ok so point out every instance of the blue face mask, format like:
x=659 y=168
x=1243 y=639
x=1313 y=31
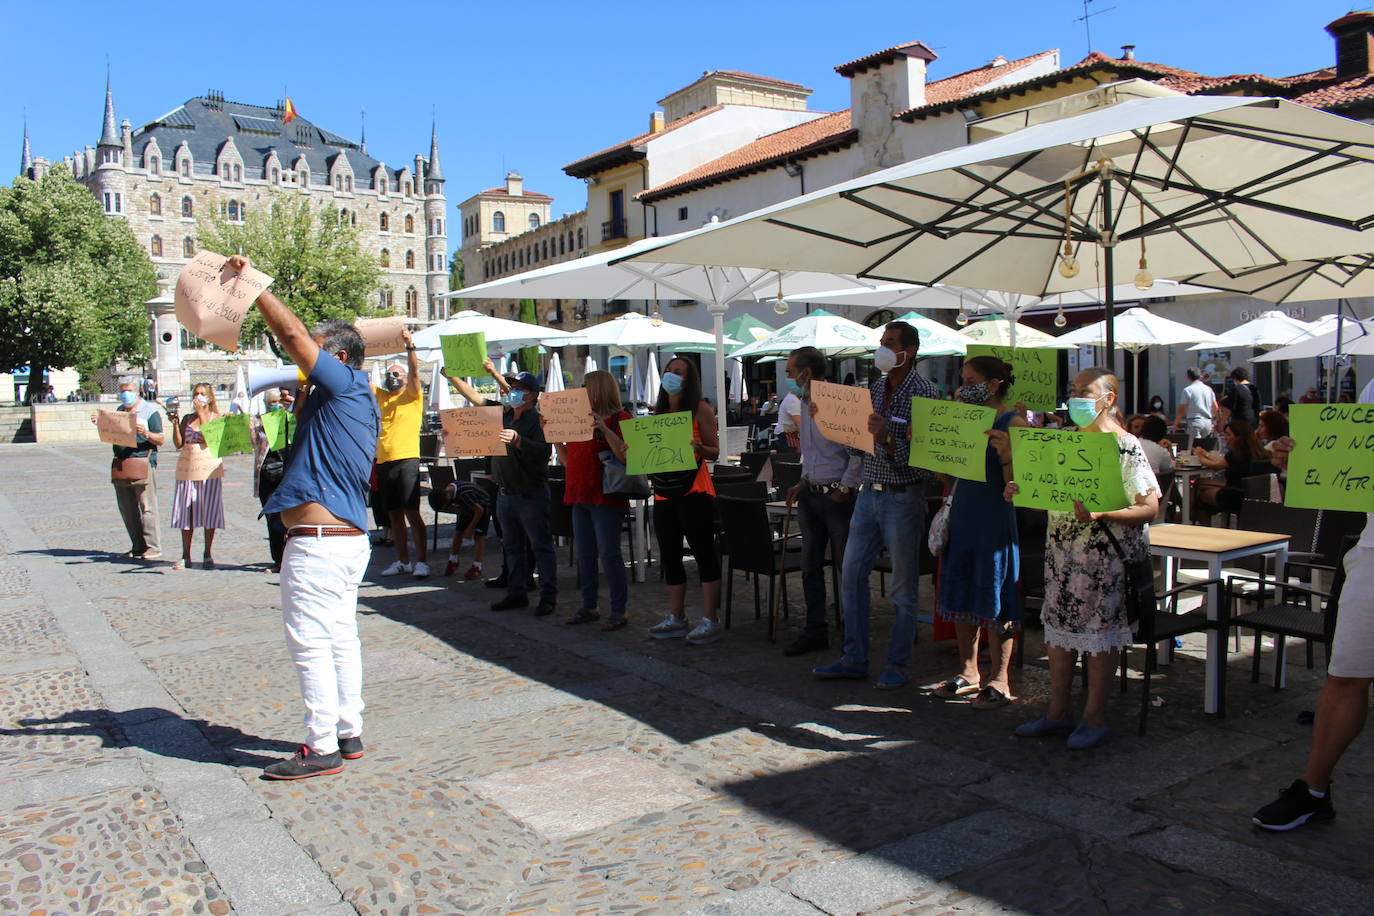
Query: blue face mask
x=513 y=398
x=671 y=382
x=128 y=398
x=274 y=406
x=795 y=388
x=1083 y=411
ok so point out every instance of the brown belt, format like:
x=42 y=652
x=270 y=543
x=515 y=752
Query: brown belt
x=323 y=531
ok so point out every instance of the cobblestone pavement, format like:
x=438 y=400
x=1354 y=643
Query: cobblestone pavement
x=518 y=765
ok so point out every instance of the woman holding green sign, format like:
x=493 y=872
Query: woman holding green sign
x=197 y=503
x=1085 y=576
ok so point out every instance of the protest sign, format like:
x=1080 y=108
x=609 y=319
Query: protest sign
x=1055 y=467
x=117 y=427
x=279 y=426
x=842 y=413
x=465 y=355
x=212 y=300
x=659 y=444
x=472 y=431
x=382 y=335
x=1035 y=371
x=197 y=463
x=950 y=437
x=227 y=435
x=1332 y=460
x=567 y=415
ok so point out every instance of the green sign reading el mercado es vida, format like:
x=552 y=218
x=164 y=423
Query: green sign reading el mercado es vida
x=1055 y=468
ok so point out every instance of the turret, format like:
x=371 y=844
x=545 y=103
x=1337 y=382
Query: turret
x=25 y=157
x=110 y=147
x=436 y=225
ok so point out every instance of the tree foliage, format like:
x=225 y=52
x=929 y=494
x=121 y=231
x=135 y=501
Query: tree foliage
x=455 y=271
x=528 y=357
x=317 y=265
x=73 y=282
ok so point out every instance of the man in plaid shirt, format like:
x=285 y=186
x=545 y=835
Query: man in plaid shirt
x=890 y=512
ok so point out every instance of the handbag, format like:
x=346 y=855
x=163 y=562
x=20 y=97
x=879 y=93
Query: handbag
x=1139 y=582
x=938 y=537
x=615 y=481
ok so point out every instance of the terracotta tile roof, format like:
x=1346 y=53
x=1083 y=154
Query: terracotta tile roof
x=625 y=151
x=961 y=84
x=502 y=192
x=824 y=134
x=886 y=56
x=740 y=74
x=1338 y=95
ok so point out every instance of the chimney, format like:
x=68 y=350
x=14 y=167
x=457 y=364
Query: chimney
x=1354 y=34
x=1128 y=52
x=515 y=185
x=655 y=122
x=894 y=79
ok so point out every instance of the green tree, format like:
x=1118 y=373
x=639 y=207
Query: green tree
x=455 y=271
x=318 y=268
x=73 y=282
x=528 y=357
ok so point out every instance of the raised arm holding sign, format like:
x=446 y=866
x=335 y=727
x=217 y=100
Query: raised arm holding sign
x=950 y=438
x=842 y=413
x=382 y=335
x=465 y=355
x=213 y=298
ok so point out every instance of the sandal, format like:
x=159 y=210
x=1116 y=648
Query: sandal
x=584 y=615
x=183 y=563
x=615 y=623
x=956 y=686
x=990 y=698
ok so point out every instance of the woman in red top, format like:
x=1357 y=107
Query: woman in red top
x=596 y=517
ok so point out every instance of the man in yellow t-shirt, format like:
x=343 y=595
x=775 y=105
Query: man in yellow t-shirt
x=398 y=461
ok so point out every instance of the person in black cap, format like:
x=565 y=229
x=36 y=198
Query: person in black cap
x=521 y=476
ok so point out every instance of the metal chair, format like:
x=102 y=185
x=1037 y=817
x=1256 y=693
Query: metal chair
x=440 y=476
x=560 y=515
x=751 y=546
x=785 y=474
x=1156 y=625
x=753 y=462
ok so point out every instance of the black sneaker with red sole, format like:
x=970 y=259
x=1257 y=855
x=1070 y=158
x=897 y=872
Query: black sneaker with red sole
x=351 y=748
x=304 y=764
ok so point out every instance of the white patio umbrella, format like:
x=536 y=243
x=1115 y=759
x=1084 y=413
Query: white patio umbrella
x=831 y=334
x=1003 y=332
x=936 y=339
x=1357 y=338
x=1347 y=276
x=737 y=386
x=553 y=375
x=440 y=398
x=589 y=365
x=1268 y=330
x=498 y=331
x=635 y=330
x=651 y=375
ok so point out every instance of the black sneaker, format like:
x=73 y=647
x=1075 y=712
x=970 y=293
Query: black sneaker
x=304 y=764
x=1294 y=807
x=351 y=748
x=496 y=581
x=807 y=642
x=545 y=607
x=510 y=603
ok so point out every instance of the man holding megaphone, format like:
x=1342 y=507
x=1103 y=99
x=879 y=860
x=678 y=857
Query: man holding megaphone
x=398 y=460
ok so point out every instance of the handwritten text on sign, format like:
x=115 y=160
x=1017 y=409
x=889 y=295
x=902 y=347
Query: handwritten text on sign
x=197 y=463
x=279 y=427
x=212 y=301
x=1332 y=460
x=950 y=438
x=567 y=415
x=465 y=355
x=1035 y=371
x=382 y=335
x=659 y=444
x=1054 y=468
x=472 y=431
x=117 y=427
x=228 y=435
x=842 y=413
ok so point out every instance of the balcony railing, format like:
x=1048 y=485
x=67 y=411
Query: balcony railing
x=614 y=229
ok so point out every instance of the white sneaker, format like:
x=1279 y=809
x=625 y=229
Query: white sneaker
x=669 y=628
x=708 y=631
x=396 y=568
x=421 y=569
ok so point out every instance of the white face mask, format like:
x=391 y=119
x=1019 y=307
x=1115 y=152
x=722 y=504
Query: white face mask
x=886 y=360
x=202 y=400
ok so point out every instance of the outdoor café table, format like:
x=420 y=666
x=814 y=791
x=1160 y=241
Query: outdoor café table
x=1184 y=475
x=1216 y=547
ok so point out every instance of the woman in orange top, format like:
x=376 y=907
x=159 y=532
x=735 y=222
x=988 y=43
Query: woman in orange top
x=684 y=507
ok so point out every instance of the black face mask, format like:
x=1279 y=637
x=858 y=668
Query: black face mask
x=393 y=383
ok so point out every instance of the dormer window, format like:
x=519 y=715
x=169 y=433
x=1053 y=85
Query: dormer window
x=155 y=166
x=186 y=168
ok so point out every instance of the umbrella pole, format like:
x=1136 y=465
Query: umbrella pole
x=717 y=310
x=1109 y=270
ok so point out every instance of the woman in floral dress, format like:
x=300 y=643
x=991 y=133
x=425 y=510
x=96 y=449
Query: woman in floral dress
x=1085 y=601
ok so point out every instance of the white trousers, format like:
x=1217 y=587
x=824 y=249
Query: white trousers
x=1352 y=648
x=319 y=603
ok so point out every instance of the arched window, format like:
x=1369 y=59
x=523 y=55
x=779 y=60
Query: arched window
x=155 y=246
x=303 y=178
x=384 y=222
x=233 y=211
x=188 y=247
x=580 y=239
x=188 y=207
x=186 y=168
x=386 y=301
x=498 y=222
x=276 y=175
x=154 y=204
x=348 y=182
x=407 y=189
x=410 y=260
x=154 y=165
x=238 y=173
x=412 y=303
x=410 y=223
x=546 y=249
x=561 y=240
x=386 y=258
x=534 y=220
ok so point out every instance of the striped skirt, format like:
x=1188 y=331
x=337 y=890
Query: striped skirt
x=198 y=504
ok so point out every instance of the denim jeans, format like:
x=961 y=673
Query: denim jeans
x=896 y=521
x=822 y=521
x=526 y=518
x=596 y=530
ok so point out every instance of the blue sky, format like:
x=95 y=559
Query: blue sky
x=535 y=85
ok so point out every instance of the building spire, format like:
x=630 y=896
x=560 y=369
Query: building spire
x=109 y=135
x=25 y=158
x=362 y=140
x=436 y=172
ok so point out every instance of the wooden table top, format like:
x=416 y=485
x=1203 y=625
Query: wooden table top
x=1202 y=537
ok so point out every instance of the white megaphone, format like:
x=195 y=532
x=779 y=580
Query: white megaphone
x=260 y=378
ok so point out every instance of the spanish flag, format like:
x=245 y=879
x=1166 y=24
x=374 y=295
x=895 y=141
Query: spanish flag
x=290 y=112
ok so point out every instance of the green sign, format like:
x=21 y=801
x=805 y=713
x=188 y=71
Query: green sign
x=950 y=437
x=279 y=426
x=1332 y=460
x=1053 y=468
x=465 y=355
x=659 y=443
x=1034 y=371
x=227 y=435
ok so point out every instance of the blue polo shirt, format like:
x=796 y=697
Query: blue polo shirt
x=336 y=440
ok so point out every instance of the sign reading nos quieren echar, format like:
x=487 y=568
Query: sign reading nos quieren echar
x=1332 y=460
x=1055 y=468
x=659 y=444
x=950 y=438
x=1034 y=370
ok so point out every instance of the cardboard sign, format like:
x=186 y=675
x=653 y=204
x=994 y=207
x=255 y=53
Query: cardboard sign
x=118 y=427
x=567 y=415
x=382 y=335
x=228 y=435
x=1035 y=371
x=472 y=431
x=196 y=463
x=465 y=355
x=659 y=444
x=842 y=413
x=1332 y=460
x=950 y=438
x=279 y=428
x=212 y=301
x=1054 y=468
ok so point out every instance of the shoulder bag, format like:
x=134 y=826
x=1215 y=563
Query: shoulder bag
x=938 y=537
x=1139 y=584
x=616 y=482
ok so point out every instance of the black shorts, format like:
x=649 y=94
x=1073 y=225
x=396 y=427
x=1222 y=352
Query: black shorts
x=399 y=483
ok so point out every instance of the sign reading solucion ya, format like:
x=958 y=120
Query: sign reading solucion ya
x=950 y=438
x=842 y=413
x=1056 y=468
x=659 y=444
x=1332 y=462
